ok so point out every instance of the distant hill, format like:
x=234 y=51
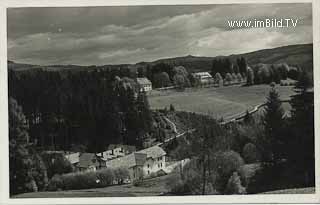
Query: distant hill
x=301 y=55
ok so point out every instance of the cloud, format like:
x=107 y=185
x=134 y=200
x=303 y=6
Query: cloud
x=133 y=34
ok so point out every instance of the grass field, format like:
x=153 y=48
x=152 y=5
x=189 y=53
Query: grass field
x=150 y=187
x=218 y=102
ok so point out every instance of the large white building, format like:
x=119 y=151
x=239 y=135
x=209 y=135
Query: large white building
x=203 y=77
x=115 y=151
x=144 y=84
x=142 y=163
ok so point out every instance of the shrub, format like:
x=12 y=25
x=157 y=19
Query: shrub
x=105 y=177
x=56 y=183
x=234 y=185
x=86 y=180
x=121 y=174
x=225 y=164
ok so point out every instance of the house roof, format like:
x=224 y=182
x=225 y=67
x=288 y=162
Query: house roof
x=153 y=152
x=136 y=158
x=143 y=81
x=126 y=147
x=86 y=159
x=203 y=74
x=73 y=157
x=131 y=160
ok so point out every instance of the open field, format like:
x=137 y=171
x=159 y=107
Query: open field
x=218 y=102
x=150 y=187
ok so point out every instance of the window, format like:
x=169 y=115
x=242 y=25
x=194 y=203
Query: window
x=148 y=166
x=161 y=164
x=148 y=172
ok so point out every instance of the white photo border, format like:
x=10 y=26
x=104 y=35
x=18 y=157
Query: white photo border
x=4 y=140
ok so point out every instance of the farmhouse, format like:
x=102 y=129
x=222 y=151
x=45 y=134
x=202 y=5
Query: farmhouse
x=116 y=150
x=142 y=163
x=73 y=158
x=203 y=77
x=144 y=84
x=89 y=162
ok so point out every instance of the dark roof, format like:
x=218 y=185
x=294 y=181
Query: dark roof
x=153 y=152
x=136 y=158
x=126 y=147
x=143 y=81
x=131 y=160
x=85 y=159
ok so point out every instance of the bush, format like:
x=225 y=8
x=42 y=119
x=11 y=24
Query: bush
x=225 y=164
x=56 y=183
x=86 y=180
x=234 y=185
x=105 y=177
x=121 y=174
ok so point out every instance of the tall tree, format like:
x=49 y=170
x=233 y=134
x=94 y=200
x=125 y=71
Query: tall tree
x=273 y=125
x=250 y=76
x=302 y=127
x=20 y=162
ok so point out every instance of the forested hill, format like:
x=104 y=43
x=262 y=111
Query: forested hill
x=301 y=55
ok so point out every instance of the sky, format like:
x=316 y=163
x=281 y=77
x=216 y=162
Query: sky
x=131 y=34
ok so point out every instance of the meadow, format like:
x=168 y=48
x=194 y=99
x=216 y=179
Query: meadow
x=149 y=187
x=224 y=102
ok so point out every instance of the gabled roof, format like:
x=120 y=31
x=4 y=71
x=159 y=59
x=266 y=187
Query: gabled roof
x=203 y=74
x=153 y=152
x=73 y=157
x=143 y=81
x=86 y=159
x=131 y=160
x=130 y=148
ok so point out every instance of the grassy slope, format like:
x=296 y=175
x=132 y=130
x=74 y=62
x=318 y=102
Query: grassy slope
x=218 y=102
x=150 y=187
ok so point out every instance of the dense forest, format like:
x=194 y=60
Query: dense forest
x=85 y=109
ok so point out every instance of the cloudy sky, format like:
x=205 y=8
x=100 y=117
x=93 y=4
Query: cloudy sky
x=113 y=35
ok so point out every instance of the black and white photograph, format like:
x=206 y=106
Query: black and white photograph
x=160 y=100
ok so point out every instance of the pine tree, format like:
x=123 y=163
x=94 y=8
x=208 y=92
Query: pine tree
x=273 y=124
x=302 y=127
x=20 y=163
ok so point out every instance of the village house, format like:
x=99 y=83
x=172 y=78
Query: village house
x=116 y=150
x=73 y=158
x=142 y=163
x=203 y=77
x=89 y=162
x=144 y=84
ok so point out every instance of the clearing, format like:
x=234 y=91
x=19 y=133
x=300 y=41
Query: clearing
x=219 y=102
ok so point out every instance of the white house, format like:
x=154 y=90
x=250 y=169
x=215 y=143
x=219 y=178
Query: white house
x=203 y=77
x=115 y=151
x=142 y=163
x=144 y=84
